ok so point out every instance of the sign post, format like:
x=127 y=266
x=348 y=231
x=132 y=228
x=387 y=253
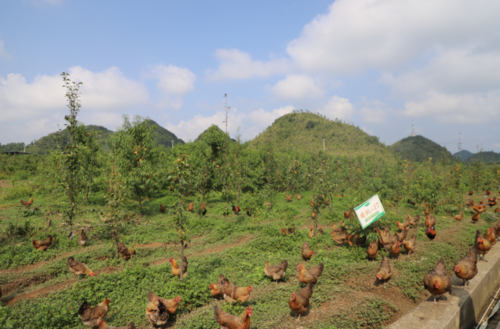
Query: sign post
x=369 y=211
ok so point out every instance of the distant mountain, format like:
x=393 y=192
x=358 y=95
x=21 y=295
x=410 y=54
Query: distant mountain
x=214 y=129
x=163 y=136
x=304 y=131
x=50 y=142
x=12 y=147
x=420 y=149
x=464 y=155
x=489 y=157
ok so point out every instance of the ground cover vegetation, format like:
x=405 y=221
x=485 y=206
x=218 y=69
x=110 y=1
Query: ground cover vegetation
x=228 y=207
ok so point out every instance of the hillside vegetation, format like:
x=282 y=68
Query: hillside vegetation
x=489 y=157
x=61 y=138
x=464 y=155
x=420 y=149
x=304 y=131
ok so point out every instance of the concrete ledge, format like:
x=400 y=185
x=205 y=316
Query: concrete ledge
x=462 y=308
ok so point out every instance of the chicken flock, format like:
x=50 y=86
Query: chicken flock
x=437 y=282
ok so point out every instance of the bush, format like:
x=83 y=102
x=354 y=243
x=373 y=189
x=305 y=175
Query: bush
x=18 y=192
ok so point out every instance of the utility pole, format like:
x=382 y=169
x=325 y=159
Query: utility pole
x=459 y=146
x=227 y=110
x=413 y=129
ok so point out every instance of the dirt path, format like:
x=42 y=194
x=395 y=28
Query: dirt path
x=107 y=270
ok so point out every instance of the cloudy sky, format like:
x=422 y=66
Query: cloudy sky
x=379 y=64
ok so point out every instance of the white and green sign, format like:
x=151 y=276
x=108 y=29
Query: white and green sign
x=369 y=211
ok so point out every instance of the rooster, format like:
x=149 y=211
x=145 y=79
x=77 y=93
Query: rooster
x=229 y=321
x=42 y=244
x=79 y=268
x=306 y=252
x=460 y=216
x=90 y=315
x=191 y=207
x=27 y=204
x=162 y=208
x=176 y=269
x=203 y=210
x=104 y=325
x=312 y=275
x=299 y=303
x=431 y=232
x=437 y=282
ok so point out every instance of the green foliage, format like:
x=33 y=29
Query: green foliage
x=420 y=149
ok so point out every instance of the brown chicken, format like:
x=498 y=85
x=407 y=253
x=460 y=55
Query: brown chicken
x=401 y=236
x=386 y=240
x=475 y=217
x=276 y=272
x=27 y=204
x=229 y=321
x=482 y=245
x=123 y=250
x=431 y=232
x=90 y=315
x=191 y=207
x=158 y=309
x=356 y=239
x=469 y=202
x=79 y=268
x=414 y=221
x=340 y=238
x=466 y=268
x=216 y=289
x=176 y=269
x=372 y=251
x=289 y=198
x=430 y=221
x=298 y=196
x=437 y=282
x=385 y=270
x=348 y=214
x=162 y=208
x=497 y=210
x=460 y=216
x=479 y=208
x=311 y=233
x=312 y=275
x=403 y=225
x=488 y=192
x=42 y=244
x=410 y=244
x=283 y=231
x=395 y=250
x=312 y=203
x=235 y=294
x=82 y=239
x=471 y=192
x=104 y=325
x=491 y=236
x=313 y=214
x=299 y=303
x=306 y=252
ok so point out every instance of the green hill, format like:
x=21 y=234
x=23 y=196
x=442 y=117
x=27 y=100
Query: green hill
x=420 y=149
x=464 y=155
x=50 y=142
x=214 y=129
x=305 y=131
x=163 y=136
x=486 y=157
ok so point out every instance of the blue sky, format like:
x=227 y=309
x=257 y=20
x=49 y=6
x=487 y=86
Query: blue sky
x=379 y=64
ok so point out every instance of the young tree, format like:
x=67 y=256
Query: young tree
x=138 y=159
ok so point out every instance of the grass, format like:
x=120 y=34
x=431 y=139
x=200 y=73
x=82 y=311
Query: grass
x=345 y=297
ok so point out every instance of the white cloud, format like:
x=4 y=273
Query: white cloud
x=237 y=65
x=250 y=124
x=3 y=52
x=373 y=111
x=297 y=86
x=174 y=82
x=337 y=108
x=358 y=34
x=456 y=108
